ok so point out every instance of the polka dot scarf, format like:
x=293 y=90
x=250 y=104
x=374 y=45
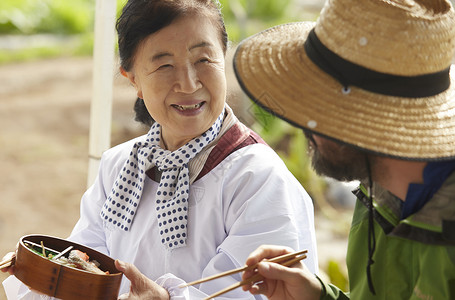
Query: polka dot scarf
x=173 y=190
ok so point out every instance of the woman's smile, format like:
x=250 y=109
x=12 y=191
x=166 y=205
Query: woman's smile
x=189 y=110
x=188 y=107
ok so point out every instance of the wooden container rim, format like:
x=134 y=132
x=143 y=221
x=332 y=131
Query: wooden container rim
x=21 y=241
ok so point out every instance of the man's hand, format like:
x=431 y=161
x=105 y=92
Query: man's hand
x=281 y=282
x=141 y=286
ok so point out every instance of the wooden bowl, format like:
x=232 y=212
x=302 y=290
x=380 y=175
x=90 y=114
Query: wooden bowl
x=56 y=280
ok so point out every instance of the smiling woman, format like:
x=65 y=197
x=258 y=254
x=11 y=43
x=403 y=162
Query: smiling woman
x=200 y=191
x=179 y=74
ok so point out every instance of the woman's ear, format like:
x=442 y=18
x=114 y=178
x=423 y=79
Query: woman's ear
x=132 y=78
x=123 y=72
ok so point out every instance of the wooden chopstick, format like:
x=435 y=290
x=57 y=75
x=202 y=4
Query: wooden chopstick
x=277 y=259
x=43 y=250
x=39 y=246
x=254 y=278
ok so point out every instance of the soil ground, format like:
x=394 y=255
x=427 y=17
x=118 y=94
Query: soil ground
x=44 y=121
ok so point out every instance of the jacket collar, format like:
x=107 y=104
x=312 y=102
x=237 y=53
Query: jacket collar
x=434 y=223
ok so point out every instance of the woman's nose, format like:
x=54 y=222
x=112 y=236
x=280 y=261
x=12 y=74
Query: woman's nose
x=187 y=80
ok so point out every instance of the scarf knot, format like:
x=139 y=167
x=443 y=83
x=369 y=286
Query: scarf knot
x=173 y=190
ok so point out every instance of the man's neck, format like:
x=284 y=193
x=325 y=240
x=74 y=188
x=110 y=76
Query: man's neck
x=395 y=175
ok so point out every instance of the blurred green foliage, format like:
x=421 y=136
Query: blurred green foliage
x=337 y=276
x=77 y=17
x=59 y=18
x=46 y=16
x=81 y=46
x=246 y=17
x=256 y=9
x=67 y=17
x=7 y=56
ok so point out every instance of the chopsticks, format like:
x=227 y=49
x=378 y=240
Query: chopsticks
x=8 y=262
x=39 y=246
x=62 y=253
x=285 y=260
x=43 y=248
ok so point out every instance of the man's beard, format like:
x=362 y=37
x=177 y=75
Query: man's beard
x=338 y=161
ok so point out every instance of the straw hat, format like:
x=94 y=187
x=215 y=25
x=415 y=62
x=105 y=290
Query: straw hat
x=379 y=76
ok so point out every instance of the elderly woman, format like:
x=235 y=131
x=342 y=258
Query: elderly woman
x=200 y=191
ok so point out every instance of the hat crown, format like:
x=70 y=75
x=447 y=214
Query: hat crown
x=400 y=37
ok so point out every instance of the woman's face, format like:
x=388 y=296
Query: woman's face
x=179 y=72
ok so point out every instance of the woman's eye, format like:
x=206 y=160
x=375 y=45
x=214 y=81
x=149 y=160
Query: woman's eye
x=204 y=60
x=162 y=67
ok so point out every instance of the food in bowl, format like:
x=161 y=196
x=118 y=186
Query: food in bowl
x=76 y=258
x=39 y=269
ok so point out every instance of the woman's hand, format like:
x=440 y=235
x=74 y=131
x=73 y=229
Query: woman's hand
x=281 y=282
x=141 y=286
x=9 y=269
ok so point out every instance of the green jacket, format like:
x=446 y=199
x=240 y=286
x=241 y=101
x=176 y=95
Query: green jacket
x=414 y=258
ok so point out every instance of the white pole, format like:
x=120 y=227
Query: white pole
x=103 y=78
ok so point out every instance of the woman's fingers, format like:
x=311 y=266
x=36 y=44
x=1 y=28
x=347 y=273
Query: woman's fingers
x=129 y=270
x=141 y=286
x=8 y=267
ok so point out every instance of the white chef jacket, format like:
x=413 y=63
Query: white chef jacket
x=249 y=199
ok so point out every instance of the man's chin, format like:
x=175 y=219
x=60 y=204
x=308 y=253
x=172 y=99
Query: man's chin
x=346 y=171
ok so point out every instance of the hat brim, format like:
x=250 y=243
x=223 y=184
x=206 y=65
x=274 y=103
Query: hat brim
x=275 y=72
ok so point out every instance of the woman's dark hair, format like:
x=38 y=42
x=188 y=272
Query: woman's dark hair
x=141 y=18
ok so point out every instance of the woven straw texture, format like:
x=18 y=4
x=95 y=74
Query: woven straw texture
x=274 y=70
